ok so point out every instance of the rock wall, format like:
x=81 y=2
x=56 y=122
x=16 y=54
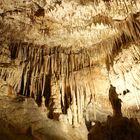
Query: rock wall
x=65 y=54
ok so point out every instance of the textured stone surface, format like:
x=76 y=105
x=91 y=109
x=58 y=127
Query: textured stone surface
x=65 y=55
x=21 y=119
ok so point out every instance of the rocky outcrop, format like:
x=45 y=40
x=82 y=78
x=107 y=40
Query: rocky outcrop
x=21 y=119
x=116 y=127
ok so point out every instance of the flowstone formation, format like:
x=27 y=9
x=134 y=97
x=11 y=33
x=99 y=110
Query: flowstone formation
x=65 y=54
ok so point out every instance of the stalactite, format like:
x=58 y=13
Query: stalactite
x=49 y=73
x=39 y=65
x=62 y=74
x=78 y=105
